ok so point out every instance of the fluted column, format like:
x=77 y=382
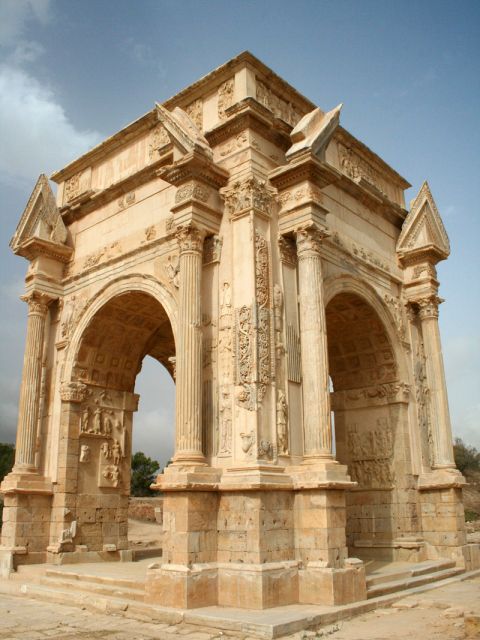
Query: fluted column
x=313 y=336
x=188 y=440
x=439 y=412
x=31 y=379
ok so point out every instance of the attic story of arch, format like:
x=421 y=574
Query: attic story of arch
x=239 y=235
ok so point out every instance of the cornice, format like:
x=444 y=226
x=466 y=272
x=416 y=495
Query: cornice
x=35 y=247
x=250 y=114
x=93 y=199
x=305 y=167
x=118 y=139
x=343 y=136
x=211 y=81
x=194 y=165
x=373 y=198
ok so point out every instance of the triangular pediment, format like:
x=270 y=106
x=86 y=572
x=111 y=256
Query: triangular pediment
x=182 y=130
x=41 y=219
x=423 y=227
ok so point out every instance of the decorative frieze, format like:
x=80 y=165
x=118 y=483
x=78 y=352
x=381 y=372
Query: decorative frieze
x=192 y=191
x=225 y=97
x=159 y=140
x=195 y=112
x=357 y=168
x=249 y=193
x=126 y=200
x=73 y=391
x=280 y=108
x=71 y=189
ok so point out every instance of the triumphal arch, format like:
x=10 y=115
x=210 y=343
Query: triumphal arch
x=243 y=238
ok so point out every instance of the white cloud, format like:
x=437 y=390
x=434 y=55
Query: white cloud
x=36 y=134
x=15 y=14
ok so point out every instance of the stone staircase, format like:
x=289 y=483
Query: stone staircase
x=389 y=580
x=113 y=587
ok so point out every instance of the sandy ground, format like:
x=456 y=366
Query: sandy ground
x=144 y=534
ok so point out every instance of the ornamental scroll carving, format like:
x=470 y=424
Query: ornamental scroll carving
x=254 y=335
x=282 y=423
x=251 y=193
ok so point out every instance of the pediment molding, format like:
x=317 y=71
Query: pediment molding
x=41 y=221
x=423 y=232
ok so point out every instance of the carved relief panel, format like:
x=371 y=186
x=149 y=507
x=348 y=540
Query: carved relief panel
x=370 y=452
x=105 y=440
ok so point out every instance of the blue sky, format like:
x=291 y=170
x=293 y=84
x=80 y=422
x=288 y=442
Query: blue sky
x=73 y=72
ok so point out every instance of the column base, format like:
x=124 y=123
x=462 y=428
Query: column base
x=182 y=587
x=26 y=482
x=319 y=584
x=179 y=477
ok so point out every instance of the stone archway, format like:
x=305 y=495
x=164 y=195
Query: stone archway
x=371 y=426
x=109 y=353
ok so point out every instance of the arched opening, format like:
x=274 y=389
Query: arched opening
x=117 y=340
x=363 y=372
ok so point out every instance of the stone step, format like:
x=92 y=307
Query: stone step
x=417 y=570
x=147 y=552
x=113 y=591
x=386 y=588
x=112 y=581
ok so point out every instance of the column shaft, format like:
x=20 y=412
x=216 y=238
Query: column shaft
x=439 y=412
x=188 y=441
x=31 y=380
x=313 y=336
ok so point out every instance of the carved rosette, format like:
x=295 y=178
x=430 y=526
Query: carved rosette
x=247 y=194
x=190 y=239
x=73 y=391
x=428 y=307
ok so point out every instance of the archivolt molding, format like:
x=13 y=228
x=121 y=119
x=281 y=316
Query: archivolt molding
x=344 y=283
x=144 y=283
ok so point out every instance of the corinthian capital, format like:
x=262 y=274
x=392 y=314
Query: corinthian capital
x=37 y=303
x=190 y=239
x=309 y=241
x=428 y=307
